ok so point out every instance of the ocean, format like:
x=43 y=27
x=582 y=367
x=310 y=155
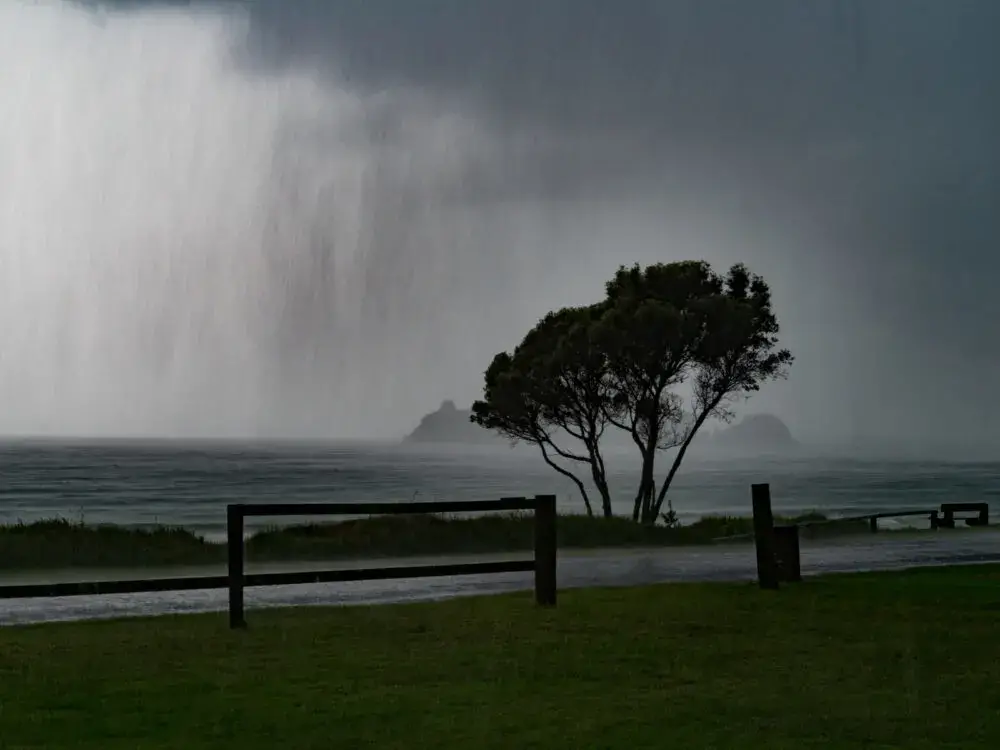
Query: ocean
x=144 y=483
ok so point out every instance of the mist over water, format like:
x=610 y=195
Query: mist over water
x=321 y=219
x=191 y=248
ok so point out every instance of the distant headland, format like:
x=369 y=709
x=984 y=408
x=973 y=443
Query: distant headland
x=755 y=433
x=449 y=424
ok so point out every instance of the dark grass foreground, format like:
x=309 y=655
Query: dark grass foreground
x=63 y=544
x=903 y=660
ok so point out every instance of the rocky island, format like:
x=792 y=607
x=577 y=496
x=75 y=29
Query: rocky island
x=449 y=424
x=756 y=433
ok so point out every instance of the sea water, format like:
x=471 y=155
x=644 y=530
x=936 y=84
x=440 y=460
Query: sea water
x=143 y=483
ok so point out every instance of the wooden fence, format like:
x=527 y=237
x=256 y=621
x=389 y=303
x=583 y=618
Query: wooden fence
x=777 y=547
x=543 y=563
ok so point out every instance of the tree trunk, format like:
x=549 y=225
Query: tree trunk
x=651 y=516
x=640 y=492
x=602 y=487
x=678 y=459
x=649 y=473
x=644 y=496
x=600 y=477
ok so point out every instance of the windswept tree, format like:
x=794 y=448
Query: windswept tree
x=735 y=355
x=553 y=392
x=651 y=330
x=626 y=362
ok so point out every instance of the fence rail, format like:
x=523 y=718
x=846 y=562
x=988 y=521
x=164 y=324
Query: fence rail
x=932 y=514
x=543 y=564
x=376 y=509
x=101 y=588
x=777 y=547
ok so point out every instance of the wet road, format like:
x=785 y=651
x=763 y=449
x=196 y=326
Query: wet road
x=576 y=569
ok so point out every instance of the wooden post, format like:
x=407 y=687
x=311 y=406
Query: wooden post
x=786 y=544
x=234 y=544
x=873 y=524
x=545 y=550
x=763 y=531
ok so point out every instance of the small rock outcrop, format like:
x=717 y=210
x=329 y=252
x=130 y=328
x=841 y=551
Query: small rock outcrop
x=449 y=424
x=757 y=432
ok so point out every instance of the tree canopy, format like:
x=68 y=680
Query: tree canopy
x=554 y=387
x=622 y=362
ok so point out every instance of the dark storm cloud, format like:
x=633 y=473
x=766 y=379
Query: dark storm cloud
x=688 y=69
x=818 y=104
x=622 y=88
x=871 y=122
x=838 y=89
x=867 y=124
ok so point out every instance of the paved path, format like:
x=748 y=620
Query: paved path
x=597 y=568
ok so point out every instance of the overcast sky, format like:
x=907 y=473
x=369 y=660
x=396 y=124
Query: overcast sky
x=844 y=148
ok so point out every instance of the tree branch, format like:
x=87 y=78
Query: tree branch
x=547 y=440
x=570 y=475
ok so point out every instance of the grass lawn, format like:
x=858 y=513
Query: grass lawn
x=908 y=660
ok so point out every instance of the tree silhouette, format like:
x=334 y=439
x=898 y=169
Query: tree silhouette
x=620 y=363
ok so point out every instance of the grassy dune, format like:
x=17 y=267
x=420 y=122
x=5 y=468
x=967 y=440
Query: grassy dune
x=52 y=544
x=903 y=660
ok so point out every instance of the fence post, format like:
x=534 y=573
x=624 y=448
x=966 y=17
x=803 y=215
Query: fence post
x=234 y=545
x=786 y=545
x=763 y=532
x=545 y=550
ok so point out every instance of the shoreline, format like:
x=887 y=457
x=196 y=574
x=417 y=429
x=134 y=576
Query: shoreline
x=60 y=544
